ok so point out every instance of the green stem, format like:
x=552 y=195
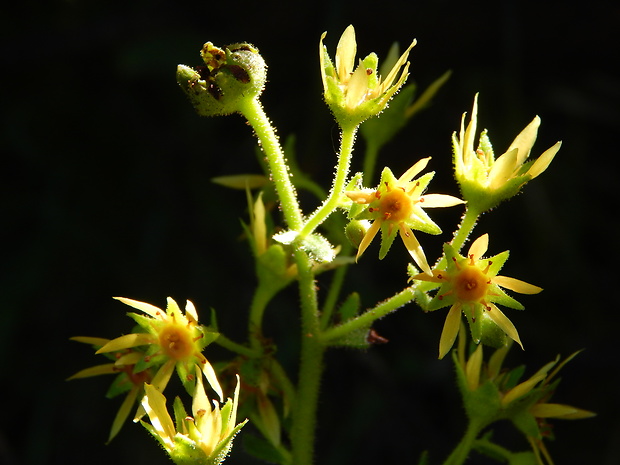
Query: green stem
x=236 y=347
x=463 y=448
x=310 y=369
x=367 y=318
x=342 y=172
x=253 y=111
x=469 y=220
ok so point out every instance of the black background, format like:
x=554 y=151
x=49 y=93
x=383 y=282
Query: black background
x=106 y=191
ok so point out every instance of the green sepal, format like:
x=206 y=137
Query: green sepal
x=491 y=334
x=388 y=234
x=180 y=414
x=187 y=376
x=120 y=385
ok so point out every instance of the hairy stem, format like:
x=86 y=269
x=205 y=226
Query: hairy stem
x=253 y=111
x=342 y=172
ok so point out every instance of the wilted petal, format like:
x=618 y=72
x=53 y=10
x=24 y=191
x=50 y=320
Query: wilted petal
x=516 y=285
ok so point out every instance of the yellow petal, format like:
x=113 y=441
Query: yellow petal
x=200 y=401
x=209 y=373
x=479 y=247
x=504 y=323
x=542 y=162
x=439 y=200
x=105 y=369
x=95 y=341
x=414 y=248
x=126 y=342
x=467 y=136
x=450 y=330
x=345 y=54
x=131 y=358
x=368 y=237
x=525 y=140
x=414 y=170
x=472 y=368
x=565 y=412
x=503 y=169
x=516 y=285
x=154 y=403
x=357 y=88
x=387 y=82
x=149 y=309
x=190 y=310
x=123 y=412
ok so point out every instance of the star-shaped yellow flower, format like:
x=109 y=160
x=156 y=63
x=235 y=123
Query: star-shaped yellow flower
x=470 y=285
x=357 y=93
x=485 y=181
x=397 y=207
x=172 y=339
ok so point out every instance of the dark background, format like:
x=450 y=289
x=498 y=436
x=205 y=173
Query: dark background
x=106 y=191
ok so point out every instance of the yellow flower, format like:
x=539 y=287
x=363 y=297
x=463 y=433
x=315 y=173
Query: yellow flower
x=357 y=93
x=204 y=438
x=173 y=339
x=486 y=181
x=397 y=206
x=126 y=381
x=470 y=285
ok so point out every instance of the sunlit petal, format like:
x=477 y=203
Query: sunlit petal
x=126 y=342
x=516 y=285
x=149 y=309
x=479 y=247
x=415 y=249
x=525 y=140
x=504 y=323
x=450 y=330
x=439 y=200
x=542 y=162
x=368 y=237
x=414 y=170
x=345 y=53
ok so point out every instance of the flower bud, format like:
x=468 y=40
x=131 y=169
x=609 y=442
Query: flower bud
x=229 y=76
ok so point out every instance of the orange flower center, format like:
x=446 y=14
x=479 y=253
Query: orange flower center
x=395 y=205
x=177 y=342
x=471 y=284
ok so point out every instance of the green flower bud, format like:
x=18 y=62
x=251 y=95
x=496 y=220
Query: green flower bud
x=229 y=76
